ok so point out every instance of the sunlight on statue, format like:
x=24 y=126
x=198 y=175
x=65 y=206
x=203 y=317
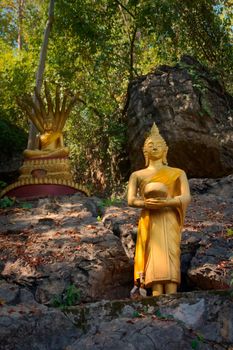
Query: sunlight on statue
x=46 y=170
x=163 y=194
x=49 y=121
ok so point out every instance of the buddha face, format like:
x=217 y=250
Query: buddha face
x=155 y=149
x=48 y=125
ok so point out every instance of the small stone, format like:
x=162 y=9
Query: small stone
x=128 y=311
x=8 y=292
x=191 y=314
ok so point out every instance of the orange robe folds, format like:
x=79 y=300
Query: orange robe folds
x=49 y=137
x=157 y=255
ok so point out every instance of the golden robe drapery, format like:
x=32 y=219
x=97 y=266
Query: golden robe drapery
x=157 y=255
x=49 y=137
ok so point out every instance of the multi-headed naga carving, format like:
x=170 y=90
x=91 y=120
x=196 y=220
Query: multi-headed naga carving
x=49 y=120
x=46 y=169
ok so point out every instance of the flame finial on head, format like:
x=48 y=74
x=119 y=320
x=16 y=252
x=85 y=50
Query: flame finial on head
x=155 y=136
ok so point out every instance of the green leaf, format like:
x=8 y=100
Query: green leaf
x=136 y=314
x=26 y=205
x=194 y=344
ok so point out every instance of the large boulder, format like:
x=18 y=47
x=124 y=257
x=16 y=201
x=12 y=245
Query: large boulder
x=193 y=113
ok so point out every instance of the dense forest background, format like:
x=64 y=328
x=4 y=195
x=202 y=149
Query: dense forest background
x=96 y=47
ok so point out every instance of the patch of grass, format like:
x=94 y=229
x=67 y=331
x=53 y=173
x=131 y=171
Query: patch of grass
x=6 y=202
x=136 y=314
x=26 y=205
x=229 y=232
x=163 y=317
x=107 y=202
x=194 y=344
x=71 y=297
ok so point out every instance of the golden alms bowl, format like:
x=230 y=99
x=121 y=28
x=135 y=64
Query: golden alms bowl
x=156 y=190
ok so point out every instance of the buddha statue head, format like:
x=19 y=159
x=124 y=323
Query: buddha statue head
x=155 y=147
x=49 y=123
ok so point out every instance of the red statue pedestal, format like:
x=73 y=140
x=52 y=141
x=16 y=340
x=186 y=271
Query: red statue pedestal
x=42 y=177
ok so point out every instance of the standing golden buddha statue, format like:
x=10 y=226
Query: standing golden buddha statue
x=163 y=196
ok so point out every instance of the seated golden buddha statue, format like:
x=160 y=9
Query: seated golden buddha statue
x=46 y=169
x=163 y=194
x=48 y=162
x=49 y=144
x=49 y=122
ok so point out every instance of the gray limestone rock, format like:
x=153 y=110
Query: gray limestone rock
x=60 y=243
x=193 y=113
x=34 y=327
x=57 y=243
x=192 y=320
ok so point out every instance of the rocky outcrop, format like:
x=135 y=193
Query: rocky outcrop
x=58 y=242
x=25 y=324
x=207 y=238
x=192 y=321
x=73 y=250
x=189 y=321
x=193 y=113
x=48 y=245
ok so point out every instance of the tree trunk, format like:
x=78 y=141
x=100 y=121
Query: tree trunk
x=20 y=6
x=39 y=76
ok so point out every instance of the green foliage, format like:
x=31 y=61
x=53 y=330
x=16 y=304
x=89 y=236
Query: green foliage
x=136 y=314
x=71 y=297
x=108 y=202
x=26 y=205
x=194 y=344
x=162 y=316
x=6 y=202
x=229 y=232
x=13 y=139
x=200 y=337
x=104 y=203
x=2 y=185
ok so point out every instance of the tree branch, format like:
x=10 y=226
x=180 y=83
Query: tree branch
x=41 y=67
x=125 y=8
x=101 y=116
x=132 y=40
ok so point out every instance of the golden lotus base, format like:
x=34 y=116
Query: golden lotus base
x=41 y=177
x=52 y=168
x=35 y=188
